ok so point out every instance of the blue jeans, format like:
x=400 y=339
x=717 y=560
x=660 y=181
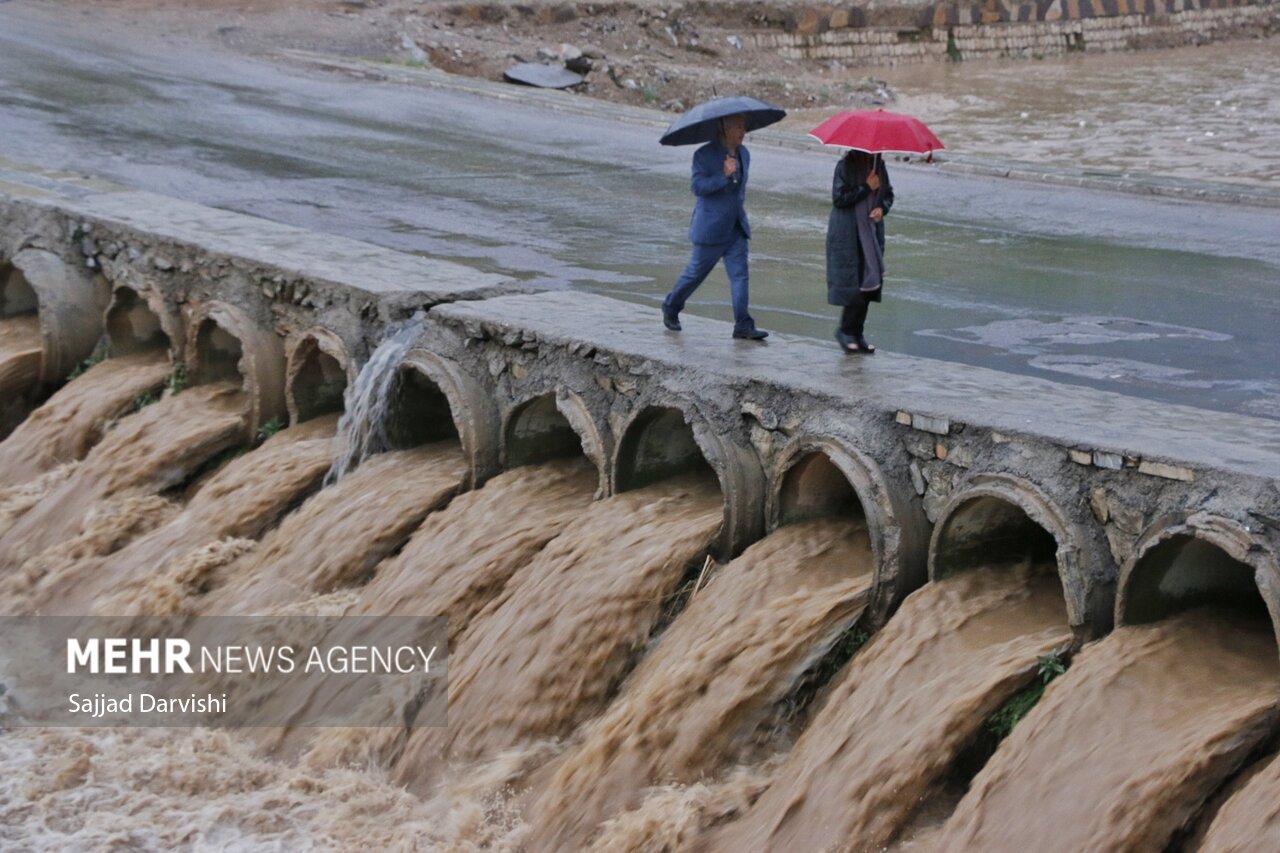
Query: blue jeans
x=704 y=258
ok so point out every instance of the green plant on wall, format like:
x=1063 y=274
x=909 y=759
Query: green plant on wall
x=89 y=362
x=269 y=429
x=1049 y=667
x=177 y=381
x=146 y=398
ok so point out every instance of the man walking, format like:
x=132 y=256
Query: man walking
x=719 y=229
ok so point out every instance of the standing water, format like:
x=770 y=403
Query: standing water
x=904 y=708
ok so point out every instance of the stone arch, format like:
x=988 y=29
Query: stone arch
x=318 y=371
x=68 y=302
x=995 y=517
x=447 y=394
x=825 y=475
x=16 y=294
x=225 y=344
x=1184 y=560
x=549 y=425
x=668 y=438
x=137 y=322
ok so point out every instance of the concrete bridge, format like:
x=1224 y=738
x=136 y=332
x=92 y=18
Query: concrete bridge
x=1145 y=507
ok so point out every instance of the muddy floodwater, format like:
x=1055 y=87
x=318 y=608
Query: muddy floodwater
x=1209 y=113
x=616 y=682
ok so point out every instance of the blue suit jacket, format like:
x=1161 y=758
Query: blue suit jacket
x=720 y=201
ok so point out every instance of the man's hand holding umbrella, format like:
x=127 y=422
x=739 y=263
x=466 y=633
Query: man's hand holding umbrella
x=719 y=229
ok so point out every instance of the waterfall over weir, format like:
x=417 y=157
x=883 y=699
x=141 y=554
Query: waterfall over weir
x=365 y=427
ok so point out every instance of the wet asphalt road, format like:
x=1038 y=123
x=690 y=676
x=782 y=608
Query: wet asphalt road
x=1168 y=300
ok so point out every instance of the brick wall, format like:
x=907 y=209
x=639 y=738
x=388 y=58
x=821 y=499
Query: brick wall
x=1002 y=28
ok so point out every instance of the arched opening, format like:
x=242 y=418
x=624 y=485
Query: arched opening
x=218 y=354
x=538 y=431
x=419 y=412
x=658 y=445
x=132 y=326
x=1011 y=559
x=16 y=294
x=223 y=343
x=986 y=530
x=22 y=356
x=317 y=383
x=1185 y=571
x=814 y=487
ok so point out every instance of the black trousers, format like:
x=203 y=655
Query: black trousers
x=854 y=316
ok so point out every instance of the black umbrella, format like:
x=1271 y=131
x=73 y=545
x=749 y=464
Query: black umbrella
x=702 y=122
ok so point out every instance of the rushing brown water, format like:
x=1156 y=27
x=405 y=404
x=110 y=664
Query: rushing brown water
x=699 y=698
x=457 y=561
x=338 y=536
x=16 y=500
x=580 y=719
x=1250 y=819
x=170 y=569
x=167 y=789
x=20 y=355
x=549 y=651
x=75 y=418
x=1145 y=725
x=146 y=453
x=903 y=708
x=461 y=557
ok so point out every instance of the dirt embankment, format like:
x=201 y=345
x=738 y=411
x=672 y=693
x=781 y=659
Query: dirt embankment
x=669 y=56
x=1199 y=111
x=666 y=55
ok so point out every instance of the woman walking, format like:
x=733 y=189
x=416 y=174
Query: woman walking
x=861 y=195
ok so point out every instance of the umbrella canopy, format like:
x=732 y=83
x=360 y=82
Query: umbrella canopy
x=877 y=132
x=702 y=122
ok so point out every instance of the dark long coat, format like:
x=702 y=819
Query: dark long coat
x=844 y=251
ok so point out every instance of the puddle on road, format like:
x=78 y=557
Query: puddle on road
x=1031 y=336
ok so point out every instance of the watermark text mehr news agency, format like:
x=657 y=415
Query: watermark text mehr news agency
x=131 y=656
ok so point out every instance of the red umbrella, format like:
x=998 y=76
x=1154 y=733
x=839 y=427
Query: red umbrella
x=876 y=132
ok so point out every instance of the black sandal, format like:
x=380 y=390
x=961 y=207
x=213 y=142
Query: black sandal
x=863 y=346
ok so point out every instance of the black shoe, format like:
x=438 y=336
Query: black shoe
x=751 y=334
x=671 y=321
